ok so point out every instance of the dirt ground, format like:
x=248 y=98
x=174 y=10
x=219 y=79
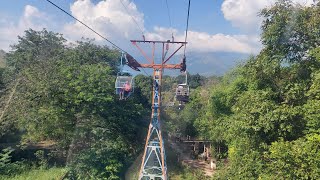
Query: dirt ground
x=185 y=158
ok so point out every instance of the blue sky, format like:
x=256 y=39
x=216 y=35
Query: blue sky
x=214 y=25
x=155 y=13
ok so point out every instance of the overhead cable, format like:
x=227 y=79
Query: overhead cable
x=169 y=17
x=185 y=40
x=86 y=26
x=145 y=72
x=125 y=7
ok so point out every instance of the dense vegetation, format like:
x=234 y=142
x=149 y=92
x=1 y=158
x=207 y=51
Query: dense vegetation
x=2 y=66
x=2 y=61
x=267 y=111
x=64 y=93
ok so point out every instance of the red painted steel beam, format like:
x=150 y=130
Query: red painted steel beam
x=173 y=54
x=159 y=66
x=172 y=42
x=143 y=53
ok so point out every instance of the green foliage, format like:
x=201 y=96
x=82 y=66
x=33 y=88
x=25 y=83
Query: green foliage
x=186 y=173
x=311 y=107
x=41 y=158
x=2 y=59
x=244 y=161
x=35 y=48
x=289 y=31
x=194 y=81
x=266 y=111
x=2 y=68
x=1 y=79
x=66 y=94
x=143 y=89
x=298 y=159
x=191 y=175
x=181 y=121
x=5 y=158
x=168 y=83
x=39 y=174
x=9 y=168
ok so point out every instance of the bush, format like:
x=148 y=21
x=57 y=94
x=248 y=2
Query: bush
x=8 y=168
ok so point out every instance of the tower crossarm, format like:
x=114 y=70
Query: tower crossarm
x=158 y=66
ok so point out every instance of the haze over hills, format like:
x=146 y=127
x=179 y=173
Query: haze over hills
x=209 y=63
x=203 y=63
x=213 y=63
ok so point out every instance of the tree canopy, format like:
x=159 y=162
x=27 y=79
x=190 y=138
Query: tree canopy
x=266 y=111
x=65 y=93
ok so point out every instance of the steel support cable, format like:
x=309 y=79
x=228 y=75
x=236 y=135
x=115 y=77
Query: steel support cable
x=169 y=17
x=125 y=7
x=145 y=72
x=87 y=26
x=91 y=29
x=185 y=40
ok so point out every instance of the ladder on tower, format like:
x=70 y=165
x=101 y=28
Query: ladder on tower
x=154 y=159
x=153 y=165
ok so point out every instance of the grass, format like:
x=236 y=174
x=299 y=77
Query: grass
x=38 y=174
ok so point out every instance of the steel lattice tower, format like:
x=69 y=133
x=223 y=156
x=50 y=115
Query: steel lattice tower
x=154 y=160
x=153 y=165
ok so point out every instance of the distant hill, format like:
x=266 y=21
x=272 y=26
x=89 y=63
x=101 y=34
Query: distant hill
x=203 y=63
x=2 y=60
x=210 y=63
x=213 y=63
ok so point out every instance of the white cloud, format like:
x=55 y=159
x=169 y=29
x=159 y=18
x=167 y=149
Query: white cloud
x=31 y=18
x=243 y=13
x=109 y=17
x=113 y=21
x=30 y=11
x=201 y=41
x=205 y=42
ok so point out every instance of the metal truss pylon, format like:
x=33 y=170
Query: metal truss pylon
x=154 y=166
